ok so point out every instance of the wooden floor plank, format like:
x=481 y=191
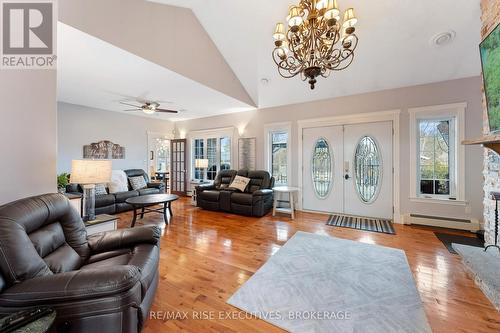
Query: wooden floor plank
x=206 y=256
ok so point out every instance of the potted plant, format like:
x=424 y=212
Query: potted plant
x=62 y=181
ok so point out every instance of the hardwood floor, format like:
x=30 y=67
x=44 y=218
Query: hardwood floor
x=206 y=256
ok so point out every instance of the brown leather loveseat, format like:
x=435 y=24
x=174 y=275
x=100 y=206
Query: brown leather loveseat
x=102 y=283
x=256 y=200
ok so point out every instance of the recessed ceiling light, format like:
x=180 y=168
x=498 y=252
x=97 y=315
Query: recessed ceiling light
x=264 y=81
x=443 y=38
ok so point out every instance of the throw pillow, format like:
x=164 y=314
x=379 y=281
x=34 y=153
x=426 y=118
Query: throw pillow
x=138 y=182
x=119 y=182
x=240 y=183
x=100 y=189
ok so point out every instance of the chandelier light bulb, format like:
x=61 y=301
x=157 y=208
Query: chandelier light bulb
x=321 y=4
x=148 y=110
x=279 y=32
x=295 y=17
x=350 y=19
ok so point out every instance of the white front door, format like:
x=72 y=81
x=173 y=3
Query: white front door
x=368 y=167
x=322 y=172
x=348 y=169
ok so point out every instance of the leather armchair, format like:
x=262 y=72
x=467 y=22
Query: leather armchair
x=139 y=172
x=102 y=283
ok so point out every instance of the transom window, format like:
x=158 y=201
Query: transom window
x=436 y=157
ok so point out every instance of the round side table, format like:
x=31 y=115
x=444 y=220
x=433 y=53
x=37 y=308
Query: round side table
x=291 y=195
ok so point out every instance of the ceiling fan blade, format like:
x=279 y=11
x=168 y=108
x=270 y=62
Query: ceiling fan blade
x=166 y=111
x=135 y=106
x=132 y=110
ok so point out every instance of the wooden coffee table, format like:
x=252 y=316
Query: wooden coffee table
x=145 y=201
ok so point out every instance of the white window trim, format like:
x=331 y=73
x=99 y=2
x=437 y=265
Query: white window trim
x=456 y=111
x=278 y=127
x=209 y=134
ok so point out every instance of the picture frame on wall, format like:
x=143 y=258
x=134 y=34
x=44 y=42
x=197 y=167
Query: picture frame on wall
x=247 y=151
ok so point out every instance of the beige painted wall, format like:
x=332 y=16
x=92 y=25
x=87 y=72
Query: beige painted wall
x=27 y=133
x=463 y=90
x=168 y=36
x=79 y=125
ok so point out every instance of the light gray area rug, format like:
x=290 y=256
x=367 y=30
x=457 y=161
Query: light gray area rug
x=485 y=267
x=334 y=285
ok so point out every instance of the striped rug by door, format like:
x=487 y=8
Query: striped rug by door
x=361 y=223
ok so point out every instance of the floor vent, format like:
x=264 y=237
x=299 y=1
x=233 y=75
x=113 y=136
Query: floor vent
x=443 y=222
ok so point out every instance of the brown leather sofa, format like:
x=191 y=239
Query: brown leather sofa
x=102 y=283
x=256 y=200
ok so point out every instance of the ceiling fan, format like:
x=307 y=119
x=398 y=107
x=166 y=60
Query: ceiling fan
x=148 y=108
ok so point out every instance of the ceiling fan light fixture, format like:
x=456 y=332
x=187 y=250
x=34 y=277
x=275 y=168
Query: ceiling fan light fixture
x=148 y=110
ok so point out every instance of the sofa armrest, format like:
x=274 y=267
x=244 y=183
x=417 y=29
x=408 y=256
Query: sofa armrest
x=73 y=188
x=158 y=185
x=263 y=192
x=206 y=187
x=123 y=238
x=71 y=286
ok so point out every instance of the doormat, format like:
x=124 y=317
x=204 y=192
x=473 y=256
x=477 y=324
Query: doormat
x=362 y=223
x=448 y=239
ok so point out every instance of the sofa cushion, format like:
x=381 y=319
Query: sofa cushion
x=224 y=178
x=104 y=200
x=122 y=196
x=241 y=198
x=259 y=180
x=119 y=182
x=146 y=191
x=240 y=183
x=100 y=189
x=137 y=182
x=211 y=195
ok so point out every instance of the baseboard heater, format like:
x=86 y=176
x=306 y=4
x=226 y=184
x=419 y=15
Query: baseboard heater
x=443 y=222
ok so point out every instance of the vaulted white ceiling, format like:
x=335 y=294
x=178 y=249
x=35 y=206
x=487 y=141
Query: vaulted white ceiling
x=395 y=48
x=110 y=56
x=97 y=74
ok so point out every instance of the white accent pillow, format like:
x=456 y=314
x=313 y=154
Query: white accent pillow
x=138 y=182
x=240 y=183
x=119 y=182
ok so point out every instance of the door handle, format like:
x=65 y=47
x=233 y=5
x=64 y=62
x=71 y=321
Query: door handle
x=347 y=177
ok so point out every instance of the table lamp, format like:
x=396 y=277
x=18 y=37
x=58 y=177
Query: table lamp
x=88 y=173
x=201 y=163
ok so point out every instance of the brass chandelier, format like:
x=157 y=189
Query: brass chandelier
x=310 y=46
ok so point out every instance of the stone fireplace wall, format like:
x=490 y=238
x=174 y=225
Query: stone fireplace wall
x=490 y=18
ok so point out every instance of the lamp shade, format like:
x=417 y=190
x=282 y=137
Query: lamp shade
x=90 y=171
x=350 y=19
x=201 y=163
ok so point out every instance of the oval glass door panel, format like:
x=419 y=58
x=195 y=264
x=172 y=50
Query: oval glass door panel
x=321 y=168
x=367 y=169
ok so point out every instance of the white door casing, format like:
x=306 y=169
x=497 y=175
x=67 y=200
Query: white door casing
x=375 y=200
